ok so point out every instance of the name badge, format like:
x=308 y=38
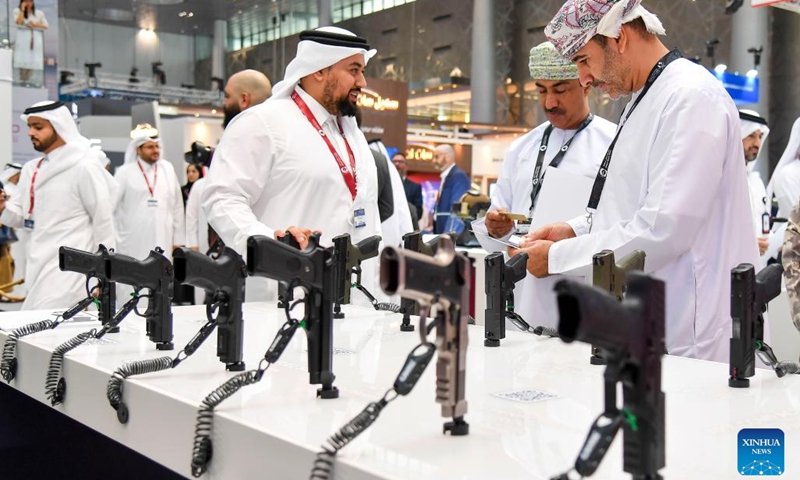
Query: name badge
x=152 y=202
x=765 y=223
x=359 y=218
x=28 y=224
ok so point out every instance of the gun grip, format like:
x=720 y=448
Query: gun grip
x=517 y=267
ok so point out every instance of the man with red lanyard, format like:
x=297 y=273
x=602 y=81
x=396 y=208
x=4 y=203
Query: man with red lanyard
x=62 y=201
x=148 y=205
x=298 y=161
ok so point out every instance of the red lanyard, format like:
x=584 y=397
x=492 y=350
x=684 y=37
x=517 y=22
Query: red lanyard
x=33 y=183
x=349 y=178
x=155 y=178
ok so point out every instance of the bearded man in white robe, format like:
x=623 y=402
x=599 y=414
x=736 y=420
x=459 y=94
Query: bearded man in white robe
x=63 y=200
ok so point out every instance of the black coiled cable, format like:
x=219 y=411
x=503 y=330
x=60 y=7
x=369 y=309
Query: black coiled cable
x=202 y=449
x=388 y=307
x=114 y=388
x=788 y=367
x=323 y=465
x=55 y=387
x=8 y=364
x=546 y=331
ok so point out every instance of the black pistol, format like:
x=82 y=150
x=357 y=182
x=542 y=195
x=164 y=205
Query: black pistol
x=750 y=294
x=499 y=286
x=312 y=270
x=155 y=274
x=223 y=280
x=631 y=334
x=93 y=266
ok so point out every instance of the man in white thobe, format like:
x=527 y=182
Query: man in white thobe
x=148 y=204
x=62 y=201
x=785 y=179
x=754 y=134
x=288 y=163
x=675 y=184
x=570 y=123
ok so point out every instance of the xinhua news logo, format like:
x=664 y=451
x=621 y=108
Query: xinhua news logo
x=761 y=452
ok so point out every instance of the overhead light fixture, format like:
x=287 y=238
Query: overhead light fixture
x=720 y=68
x=752 y=73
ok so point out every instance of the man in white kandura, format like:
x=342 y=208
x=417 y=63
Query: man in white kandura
x=63 y=200
x=754 y=134
x=299 y=160
x=148 y=205
x=673 y=184
x=785 y=179
x=573 y=140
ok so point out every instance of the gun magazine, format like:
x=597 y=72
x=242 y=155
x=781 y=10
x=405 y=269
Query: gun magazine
x=8 y=364
x=202 y=449
x=54 y=386
x=323 y=465
x=114 y=388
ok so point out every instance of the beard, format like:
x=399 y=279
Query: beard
x=229 y=114
x=45 y=143
x=614 y=73
x=341 y=106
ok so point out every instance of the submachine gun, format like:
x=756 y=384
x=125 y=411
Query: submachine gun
x=750 y=294
x=347 y=260
x=440 y=283
x=631 y=335
x=500 y=279
x=610 y=276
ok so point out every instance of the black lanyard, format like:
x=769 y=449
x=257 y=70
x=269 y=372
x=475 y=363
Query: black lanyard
x=537 y=172
x=602 y=173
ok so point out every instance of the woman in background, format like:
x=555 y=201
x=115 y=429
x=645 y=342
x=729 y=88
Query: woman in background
x=29 y=45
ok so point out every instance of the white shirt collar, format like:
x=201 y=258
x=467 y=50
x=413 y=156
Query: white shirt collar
x=320 y=113
x=446 y=171
x=146 y=166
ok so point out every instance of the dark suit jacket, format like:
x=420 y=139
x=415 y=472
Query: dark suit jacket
x=413 y=195
x=385 y=195
x=455 y=185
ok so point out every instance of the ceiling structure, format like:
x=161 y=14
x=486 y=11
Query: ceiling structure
x=186 y=16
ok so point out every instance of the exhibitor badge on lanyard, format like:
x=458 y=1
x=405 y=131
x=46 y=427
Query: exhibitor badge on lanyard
x=555 y=162
x=602 y=173
x=348 y=176
x=28 y=222
x=151 y=202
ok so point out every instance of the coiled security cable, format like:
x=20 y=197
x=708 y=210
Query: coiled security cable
x=202 y=448
x=546 y=331
x=380 y=306
x=55 y=387
x=114 y=388
x=8 y=364
x=412 y=370
x=140 y=367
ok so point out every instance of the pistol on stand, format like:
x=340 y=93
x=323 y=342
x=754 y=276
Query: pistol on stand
x=499 y=285
x=312 y=270
x=443 y=281
x=347 y=260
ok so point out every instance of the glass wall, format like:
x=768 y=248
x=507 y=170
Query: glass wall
x=282 y=19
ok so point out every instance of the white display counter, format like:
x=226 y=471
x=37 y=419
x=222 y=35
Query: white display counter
x=274 y=428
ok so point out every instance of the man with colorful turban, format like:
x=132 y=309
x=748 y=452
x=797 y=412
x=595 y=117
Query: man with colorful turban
x=62 y=201
x=672 y=183
x=148 y=205
x=298 y=162
x=572 y=140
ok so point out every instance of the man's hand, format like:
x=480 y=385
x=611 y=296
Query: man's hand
x=553 y=232
x=538 y=254
x=763 y=245
x=300 y=234
x=498 y=224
